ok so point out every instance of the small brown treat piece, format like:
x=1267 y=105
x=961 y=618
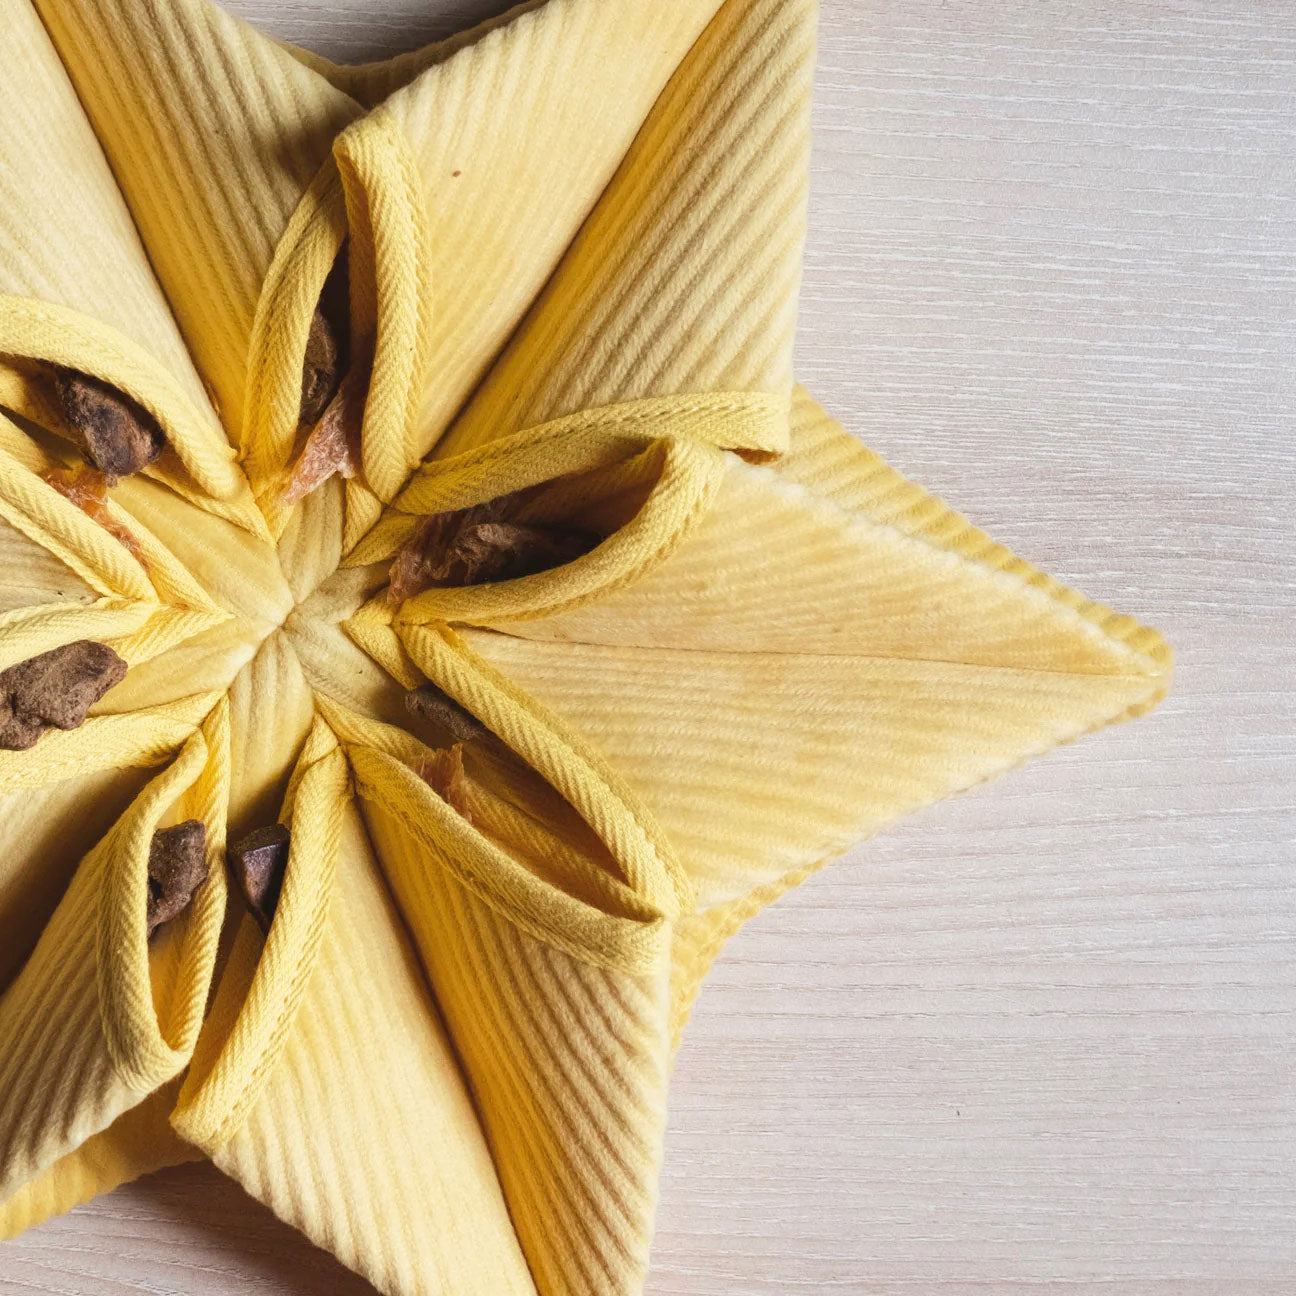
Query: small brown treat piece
x=443 y=771
x=334 y=445
x=177 y=867
x=320 y=368
x=258 y=862
x=54 y=690
x=119 y=436
x=423 y=560
x=496 y=551
x=87 y=489
x=432 y=703
x=325 y=359
x=475 y=546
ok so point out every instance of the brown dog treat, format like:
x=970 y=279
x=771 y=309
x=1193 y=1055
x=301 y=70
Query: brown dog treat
x=258 y=862
x=88 y=490
x=54 y=690
x=475 y=546
x=321 y=368
x=119 y=436
x=177 y=867
x=325 y=360
x=443 y=771
x=428 y=702
x=334 y=444
x=423 y=560
x=496 y=551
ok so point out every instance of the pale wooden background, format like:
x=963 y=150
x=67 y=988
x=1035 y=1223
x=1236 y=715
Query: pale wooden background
x=1040 y=1038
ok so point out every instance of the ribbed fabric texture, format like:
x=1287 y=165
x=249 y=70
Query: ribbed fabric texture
x=568 y=1064
x=30 y=575
x=150 y=1007
x=515 y=137
x=211 y=175
x=270 y=685
x=685 y=277
x=712 y=682
x=574 y=243
x=371 y=83
x=138 y=1142
x=90 y=258
x=840 y=469
x=52 y=1027
x=97 y=1020
x=368 y=1081
x=44 y=833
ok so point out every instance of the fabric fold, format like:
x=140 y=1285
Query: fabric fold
x=510 y=163
x=543 y=916
x=100 y=1017
x=324 y=1063
x=771 y=714
x=77 y=289
x=212 y=174
x=684 y=278
x=66 y=235
x=567 y=1056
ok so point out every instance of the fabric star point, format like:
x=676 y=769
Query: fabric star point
x=520 y=594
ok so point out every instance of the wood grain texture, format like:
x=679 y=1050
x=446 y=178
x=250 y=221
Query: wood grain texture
x=1039 y=1038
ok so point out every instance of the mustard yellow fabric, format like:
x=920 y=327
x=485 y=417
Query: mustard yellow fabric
x=574 y=240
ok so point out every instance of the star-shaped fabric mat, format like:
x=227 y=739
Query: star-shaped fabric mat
x=565 y=634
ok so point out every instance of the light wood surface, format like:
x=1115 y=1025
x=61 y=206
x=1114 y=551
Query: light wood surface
x=1039 y=1038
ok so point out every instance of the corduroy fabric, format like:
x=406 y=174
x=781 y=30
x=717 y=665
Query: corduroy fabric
x=211 y=175
x=574 y=241
x=97 y=1020
x=368 y=1079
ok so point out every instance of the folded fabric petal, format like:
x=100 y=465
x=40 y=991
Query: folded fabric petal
x=882 y=654
x=684 y=278
x=67 y=236
x=99 y=1017
x=139 y=1142
x=213 y=133
x=552 y=974
x=324 y=1066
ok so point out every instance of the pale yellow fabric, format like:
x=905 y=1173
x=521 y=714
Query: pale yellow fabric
x=99 y=1018
x=574 y=241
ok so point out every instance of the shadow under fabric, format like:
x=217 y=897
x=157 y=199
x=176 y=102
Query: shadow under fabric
x=574 y=241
